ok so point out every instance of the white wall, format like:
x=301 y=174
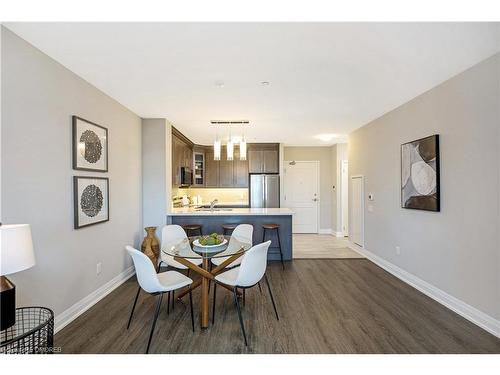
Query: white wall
x=456 y=250
x=39 y=96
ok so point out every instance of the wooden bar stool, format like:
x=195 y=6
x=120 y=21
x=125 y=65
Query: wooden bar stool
x=227 y=229
x=191 y=229
x=273 y=227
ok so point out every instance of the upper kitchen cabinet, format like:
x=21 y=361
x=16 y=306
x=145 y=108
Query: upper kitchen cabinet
x=182 y=155
x=211 y=169
x=226 y=170
x=240 y=170
x=222 y=173
x=199 y=171
x=263 y=158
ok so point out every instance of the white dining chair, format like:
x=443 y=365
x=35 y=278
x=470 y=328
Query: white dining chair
x=243 y=233
x=251 y=270
x=156 y=284
x=172 y=235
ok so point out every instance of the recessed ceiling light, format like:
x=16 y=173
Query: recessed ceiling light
x=326 y=137
x=265 y=83
x=219 y=84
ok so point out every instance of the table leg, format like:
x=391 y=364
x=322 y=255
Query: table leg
x=204 y=296
x=206 y=276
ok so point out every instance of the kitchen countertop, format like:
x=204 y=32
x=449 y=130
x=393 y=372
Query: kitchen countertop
x=191 y=211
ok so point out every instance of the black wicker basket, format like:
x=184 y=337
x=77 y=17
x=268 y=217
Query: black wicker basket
x=33 y=332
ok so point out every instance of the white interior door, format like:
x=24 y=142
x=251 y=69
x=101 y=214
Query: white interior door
x=345 y=197
x=356 y=228
x=302 y=194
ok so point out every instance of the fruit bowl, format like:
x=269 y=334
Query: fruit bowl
x=211 y=243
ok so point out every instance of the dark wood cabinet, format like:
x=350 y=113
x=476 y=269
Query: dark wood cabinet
x=182 y=155
x=211 y=169
x=271 y=162
x=225 y=170
x=199 y=171
x=263 y=158
x=240 y=171
x=177 y=160
x=255 y=162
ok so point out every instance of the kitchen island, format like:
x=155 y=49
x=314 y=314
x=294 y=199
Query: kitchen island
x=212 y=221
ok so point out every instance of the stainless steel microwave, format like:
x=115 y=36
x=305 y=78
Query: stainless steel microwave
x=186 y=176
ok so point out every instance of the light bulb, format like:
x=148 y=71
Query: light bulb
x=217 y=150
x=230 y=149
x=243 y=150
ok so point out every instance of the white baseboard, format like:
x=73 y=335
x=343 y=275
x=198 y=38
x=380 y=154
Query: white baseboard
x=469 y=312
x=325 y=231
x=338 y=234
x=67 y=316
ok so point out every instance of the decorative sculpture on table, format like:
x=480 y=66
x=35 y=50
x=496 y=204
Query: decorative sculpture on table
x=150 y=245
x=420 y=174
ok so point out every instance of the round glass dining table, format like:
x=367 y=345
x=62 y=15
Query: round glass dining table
x=185 y=251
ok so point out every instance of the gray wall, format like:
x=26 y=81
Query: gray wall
x=156 y=171
x=324 y=156
x=38 y=98
x=457 y=249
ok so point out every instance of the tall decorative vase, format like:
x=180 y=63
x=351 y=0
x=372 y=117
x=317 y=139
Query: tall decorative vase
x=150 y=245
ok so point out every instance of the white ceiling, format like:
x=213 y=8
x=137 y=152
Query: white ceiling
x=325 y=78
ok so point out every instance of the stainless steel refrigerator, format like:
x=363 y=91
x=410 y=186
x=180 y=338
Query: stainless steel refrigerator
x=264 y=190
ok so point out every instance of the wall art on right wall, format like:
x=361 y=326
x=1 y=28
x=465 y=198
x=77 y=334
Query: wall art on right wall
x=420 y=174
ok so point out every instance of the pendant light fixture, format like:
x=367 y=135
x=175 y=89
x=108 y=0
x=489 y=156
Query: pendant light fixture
x=243 y=145
x=230 y=141
x=216 y=145
x=230 y=146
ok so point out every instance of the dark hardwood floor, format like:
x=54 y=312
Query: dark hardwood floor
x=325 y=306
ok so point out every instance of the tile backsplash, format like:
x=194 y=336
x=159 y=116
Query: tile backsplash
x=236 y=195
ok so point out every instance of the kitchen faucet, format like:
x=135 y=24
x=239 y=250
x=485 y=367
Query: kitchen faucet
x=213 y=203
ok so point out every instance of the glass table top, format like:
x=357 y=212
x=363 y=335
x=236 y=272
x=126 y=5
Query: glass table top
x=186 y=249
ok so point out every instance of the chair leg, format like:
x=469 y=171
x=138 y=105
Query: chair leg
x=159 y=267
x=173 y=300
x=239 y=315
x=263 y=234
x=168 y=303
x=272 y=298
x=260 y=288
x=191 y=306
x=244 y=297
x=279 y=246
x=133 y=307
x=213 y=304
x=158 y=304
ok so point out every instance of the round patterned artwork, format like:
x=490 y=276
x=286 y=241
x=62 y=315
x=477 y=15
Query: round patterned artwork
x=93 y=148
x=91 y=200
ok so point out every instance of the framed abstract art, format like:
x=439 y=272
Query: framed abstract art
x=420 y=185
x=90 y=146
x=91 y=200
